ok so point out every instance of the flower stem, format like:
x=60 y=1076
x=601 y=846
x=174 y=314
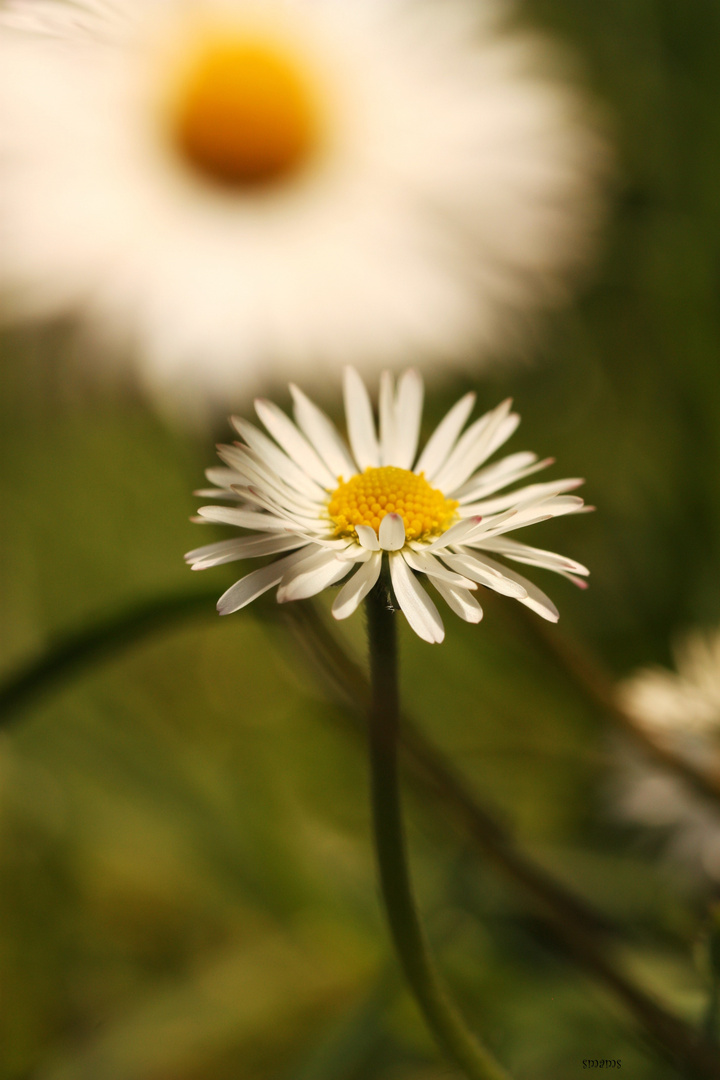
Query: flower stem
x=76 y=651
x=405 y=927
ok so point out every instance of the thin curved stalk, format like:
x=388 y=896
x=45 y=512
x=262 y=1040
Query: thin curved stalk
x=583 y=933
x=76 y=651
x=577 y=926
x=408 y=936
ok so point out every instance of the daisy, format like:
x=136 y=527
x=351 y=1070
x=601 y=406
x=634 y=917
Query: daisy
x=243 y=188
x=681 y=710
x=681 y=705
x=334 y=512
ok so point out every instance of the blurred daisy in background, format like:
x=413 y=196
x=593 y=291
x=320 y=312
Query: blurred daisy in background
x=681 y=710
x=243 y=189
x=329 y=509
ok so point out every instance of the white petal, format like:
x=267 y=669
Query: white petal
x=414 y=602
x=491 y=575
x=286 y=469
x=323 y=434
x=357 y=588
x=223 y=478
x=243 y=519
x=244 y=547
x=355 y=554
x=500 y=435
x=468 y=441
x=360 y=422
x=408 y=414
x=456 y=534
x=501 y=474
x=255 y=584
x=425 y=563
x=216 y=493
x=387 y=418
x=367 y=537
x=462 y=602
x=530 y=515
x=311 y=577
x=444 y=437
x=516 y=498
x=257 y=473
x=291 y=518
x=293 y=443
x=208 y=550
x=535 y=599
x=531 y=556
x=392 y=532
x=472 y=452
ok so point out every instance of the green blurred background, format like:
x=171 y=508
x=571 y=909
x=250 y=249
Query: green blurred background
x=187 y=884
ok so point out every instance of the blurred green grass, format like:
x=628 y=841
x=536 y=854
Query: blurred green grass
x=187 y=888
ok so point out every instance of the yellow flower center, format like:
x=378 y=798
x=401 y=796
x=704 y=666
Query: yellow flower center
x=244 y=114
x=369 y=496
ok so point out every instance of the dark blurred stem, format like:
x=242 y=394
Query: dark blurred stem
x=405 y=927
x=75 y=652
x=582 y=932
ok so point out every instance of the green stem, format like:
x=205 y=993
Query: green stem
x=578 y=929
x=407 y=932
x=77 y=650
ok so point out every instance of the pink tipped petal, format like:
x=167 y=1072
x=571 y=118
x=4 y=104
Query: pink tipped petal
x=523 y=553
x=456 y=533
x=531 y=515
x=392 y=532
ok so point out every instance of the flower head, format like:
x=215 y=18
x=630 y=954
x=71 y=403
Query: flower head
x=682 y=704
x=284 y=183
x=333 y=511
x=680 y=710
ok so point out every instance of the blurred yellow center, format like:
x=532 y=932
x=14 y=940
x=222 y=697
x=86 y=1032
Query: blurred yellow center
x=245 y=115
x=369 y=496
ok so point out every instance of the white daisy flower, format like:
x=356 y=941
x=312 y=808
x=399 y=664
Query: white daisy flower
x=245 y=187
x=681 y=710
x=688 y=825
x=683 y=704
x=332 y=511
